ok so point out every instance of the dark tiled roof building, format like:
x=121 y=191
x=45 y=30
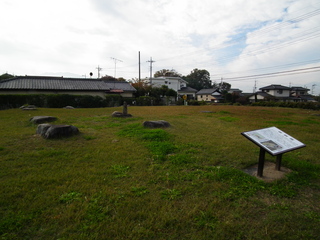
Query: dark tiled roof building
x=55 y=85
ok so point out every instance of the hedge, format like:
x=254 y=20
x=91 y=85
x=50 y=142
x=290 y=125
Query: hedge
x=304 y=105
x=51 y=100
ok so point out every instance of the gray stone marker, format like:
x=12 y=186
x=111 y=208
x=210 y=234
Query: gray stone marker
x=68 y=107
x=156 y=124
x=42 y=119
x=124 y=112
x=49 y=131
x=29 y=107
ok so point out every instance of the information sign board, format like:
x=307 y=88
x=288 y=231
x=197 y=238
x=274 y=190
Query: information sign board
x=273 y=140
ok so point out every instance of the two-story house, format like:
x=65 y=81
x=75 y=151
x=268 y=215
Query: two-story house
x=176 y=83
x=209 y=95
x=276 y=92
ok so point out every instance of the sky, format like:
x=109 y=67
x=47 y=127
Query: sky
x=247 y=43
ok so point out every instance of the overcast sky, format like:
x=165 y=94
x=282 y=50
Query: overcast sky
x=229 y=38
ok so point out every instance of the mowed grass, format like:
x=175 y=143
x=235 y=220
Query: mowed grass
x=117 y=180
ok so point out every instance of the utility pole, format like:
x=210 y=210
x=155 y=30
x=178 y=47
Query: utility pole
x=313 y=86
x=255 y=86
x=151 y=61
x=99 y=69
x=139 y=69
x=115 y=65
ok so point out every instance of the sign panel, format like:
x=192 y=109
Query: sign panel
x=273 y=140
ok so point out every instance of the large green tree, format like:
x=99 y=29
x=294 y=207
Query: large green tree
x=6 y=76
x=167 y=73
x=223 y=86
x=198 y=79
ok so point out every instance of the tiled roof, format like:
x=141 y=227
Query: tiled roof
x=263 y=94
x=274 y=87
x=207 y=91
x=187 y=89
x=299 y=89
x=60 y=83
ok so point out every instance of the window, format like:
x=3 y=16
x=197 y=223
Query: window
x=280 y=91
x=165 y=82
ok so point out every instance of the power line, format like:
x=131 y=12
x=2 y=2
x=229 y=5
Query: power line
x=275 y=74
x=271 y=67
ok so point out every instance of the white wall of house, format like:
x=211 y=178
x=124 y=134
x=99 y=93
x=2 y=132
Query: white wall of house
x=174 y=83
x=278 y=92
x=206 y=98
x=259 y=98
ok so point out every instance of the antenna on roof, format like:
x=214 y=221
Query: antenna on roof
x=99 y=69
x=115 y=65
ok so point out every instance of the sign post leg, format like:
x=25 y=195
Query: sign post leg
x=261 y=162
x=278 y=163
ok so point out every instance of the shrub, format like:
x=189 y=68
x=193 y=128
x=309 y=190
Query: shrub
x=146 y=101
x=304 y=105
x=113 y=100
x=51 y=100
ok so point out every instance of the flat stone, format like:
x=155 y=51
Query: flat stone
x=49 y=131
x=42 y=128
x=42 y=119
x=120 y=114
x=68 y=107
x=156 y=124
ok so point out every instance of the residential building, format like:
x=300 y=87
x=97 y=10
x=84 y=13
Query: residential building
x=175 y=83
x=235 y=91
x=61 y=85
x=209 y=95
x=277 y=92
x=260 y=96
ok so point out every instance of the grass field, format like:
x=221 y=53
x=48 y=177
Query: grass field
x=117 y=180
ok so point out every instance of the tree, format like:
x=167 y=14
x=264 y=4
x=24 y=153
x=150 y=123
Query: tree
x=108 y=78
x=6 y=76
x=198 y=79
x=167 y=73
x=224 y=86
x=142 y=87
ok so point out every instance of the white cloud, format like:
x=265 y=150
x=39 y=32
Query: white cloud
x=227 y=38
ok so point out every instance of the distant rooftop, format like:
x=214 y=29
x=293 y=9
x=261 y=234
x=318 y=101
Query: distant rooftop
x=61 y=83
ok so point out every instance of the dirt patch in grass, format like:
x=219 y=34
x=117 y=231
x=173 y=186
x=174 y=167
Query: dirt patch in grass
x=270 y=173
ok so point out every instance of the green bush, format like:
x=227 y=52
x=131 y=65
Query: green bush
x=146 y=101
x=18 y=100
x=304 y=105
x=113 y=100
x=51 y=100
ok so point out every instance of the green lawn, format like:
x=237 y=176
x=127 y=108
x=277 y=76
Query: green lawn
x=117 y=180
